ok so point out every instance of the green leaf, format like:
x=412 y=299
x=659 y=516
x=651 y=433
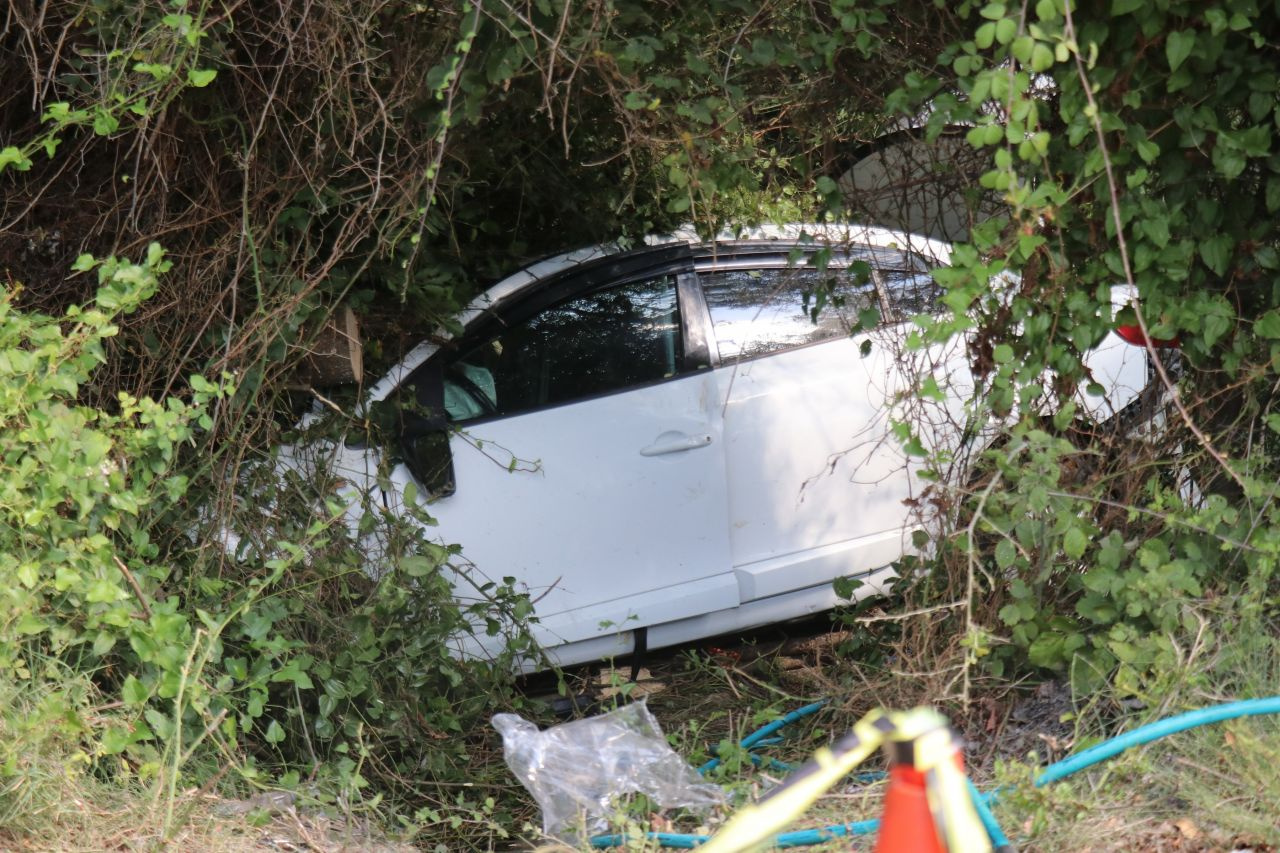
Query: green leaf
x=416 y=567
x=115 y=739
x=13 y=156
x=29 y=623
x=1074 y=543
x=1047 y=650
x=1156 y=230
x=1006 y=29
x=1273 y=193
x=985 y=36
x=133 y=692
x=1041 y=57
x=1216 y=252
x=158 y=71
x=1228 y=159
x=1005 y=553
x=28 y=574
x=1124 y=7
x=846 y=587
x=104 y=123
x=201 y=77
x=1022 y=48
x=162 y=725
x=1178 y=46
x=1268 y=325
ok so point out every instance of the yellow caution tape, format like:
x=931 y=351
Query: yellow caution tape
x=922 y=732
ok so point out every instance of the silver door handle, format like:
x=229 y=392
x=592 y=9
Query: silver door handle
x=676 y=444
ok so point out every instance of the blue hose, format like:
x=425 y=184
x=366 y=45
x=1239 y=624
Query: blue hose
x=1058 y=770
x=760 y=734
x=983 y=808
x=799 y=838
x=1154 y=731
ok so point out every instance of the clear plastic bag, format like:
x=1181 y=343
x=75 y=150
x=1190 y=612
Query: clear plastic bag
x=575 y=770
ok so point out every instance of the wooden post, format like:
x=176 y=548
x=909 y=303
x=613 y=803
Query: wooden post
x=335 y=355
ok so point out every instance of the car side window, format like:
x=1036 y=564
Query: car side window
x=909 y=288
x=606 y=340
x=756 y=312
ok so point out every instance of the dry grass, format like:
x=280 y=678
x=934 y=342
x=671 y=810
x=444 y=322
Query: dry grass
x=93 y=819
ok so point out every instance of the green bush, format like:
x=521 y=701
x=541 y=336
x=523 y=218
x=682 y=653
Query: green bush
x=291 y=664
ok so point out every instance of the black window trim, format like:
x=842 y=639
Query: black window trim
x=695 y=320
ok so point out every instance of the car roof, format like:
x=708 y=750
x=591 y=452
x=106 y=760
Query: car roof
x=819 y=234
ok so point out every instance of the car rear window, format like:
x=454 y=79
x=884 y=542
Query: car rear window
x=755 y=312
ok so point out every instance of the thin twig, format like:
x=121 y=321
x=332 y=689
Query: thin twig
x=911 y=614
x=133 y=582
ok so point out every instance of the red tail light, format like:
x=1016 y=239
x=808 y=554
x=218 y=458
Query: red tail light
x=1133 y=335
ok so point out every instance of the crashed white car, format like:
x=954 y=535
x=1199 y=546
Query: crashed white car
x=685 y=439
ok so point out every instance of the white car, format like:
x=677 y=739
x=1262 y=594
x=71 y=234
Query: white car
x=682 y=440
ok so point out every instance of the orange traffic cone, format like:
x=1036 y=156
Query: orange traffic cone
x=907 y=825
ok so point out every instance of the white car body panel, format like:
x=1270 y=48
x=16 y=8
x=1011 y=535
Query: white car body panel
x=598 y=531
x=813 y=472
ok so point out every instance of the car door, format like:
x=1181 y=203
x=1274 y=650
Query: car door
x=588 y=457
x=818 y=486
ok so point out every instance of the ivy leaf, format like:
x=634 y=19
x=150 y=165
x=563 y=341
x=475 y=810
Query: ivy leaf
x=201 y=77
x=13 y=156
x=104 y=123
x=1177 y=47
